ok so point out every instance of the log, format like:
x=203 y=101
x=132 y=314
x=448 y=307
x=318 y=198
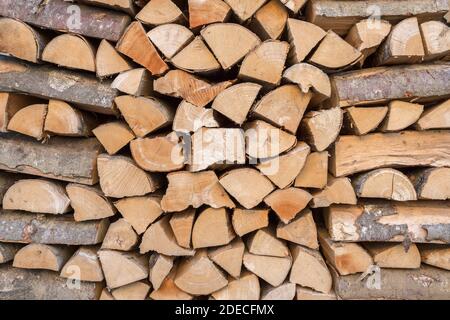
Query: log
x=301 y=230
x=273 y=270
x=314 y=173
x=378 y=85
x=21 y=284
x=419 y=222
x=21 y=41
x=120 y=177
x=190 y=118
x=10 y=104
x=196 y=58
x=169 y=291
x=269 y=21
x=37 y=195
x=170 y=38
x=338 y=190
x=113 y=136
x=29 y=121
x=246 y=287
x=435 y=117
x=432 y=183
x=305 y=294
x=342 y=15
x=84 y=264
x=135 y=82
x=133 y=291
x=435 y=255
x=346 y=258
x=21 y=227
x=246 y=221
x=158 y=12
x=208 y=191
x=83 y=90
x=244 y=9
x=108 y=61
x=8 y=251
x=285 y=291
x=89 y=203
x=303 y=38
x=42 y=256
x=114 y=262
x=182 y=224
x=208 y=220
x=60 y=158
x=136 y=45
x=362 y=120
x=240 y=41
x=229 y=257
x=352 y=154
x=401 y=115
x=140 y=212
x=385 y=184
x=120 y=236
x=435 y=35
x=206 y=12
x=287 y=203
x=387 y=255
x=160 y=267
x=264 y=243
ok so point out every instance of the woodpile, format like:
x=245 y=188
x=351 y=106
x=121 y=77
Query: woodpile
x=224 y=149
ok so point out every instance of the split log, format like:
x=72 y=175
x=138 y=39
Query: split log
x=245 y=288
x=236 y=101
x=435 y=117
x=265 y=63
x=240 y=41
x=203 y=12
x=115 y=262
x=387 y=255
x=108 y=61
x=158 y=12
x=208 y=220
x=362 y=120
x=301 y=230
x=346 y=258
x=145 y=114
x=245 y=9
x=113 y=136
x=338 y=190
x=133 y=291
x=182 y=224
x=190 y=118
x=315 y=171
x=170 y=38
x=309 y=269
x=58 y=15
x=285 y=291
x=20 y=40
x=273 y=270
x=196 y=58
x=432 y=183
x=29 y=121
x=60 y=158
x=21 y=284
x=229 y=257
x=120 y=236
x=136 y=45
x=419 y=82
x=8 y=251
x=248 y=186
x=283 y=107
x=436 y=39
x=37 y=195
x=303 y=38
x=84 y=90
x=89 y=203
x=401 y=115
x=85 y=265
x=42 y=256
x=169 y=291
x=207 y=191
x=135 y=82
x=385 y=184
x=264 y=243
x=120 y=177
x=81 y=56
x=294 y=5
x=435 y=255
x=246 y=221
x=159 y=237
x=305 y=294
x=20 y=227
x=10 y=104
x=199 y=276
x=269 y=21
x=140 y=212
x=160 y=267
x=127 y=6
x=416 y=221
x=352 y=154
x=287 y=203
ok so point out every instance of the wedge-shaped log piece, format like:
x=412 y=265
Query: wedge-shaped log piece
x=158 y=12
x=240 y=41
x=21 y=227
x=265 y=64
x=135 y=82
x=37 y=195
x=229 y=257
x=285 y=291
x=432 y=183
x=8 y=251
x=29 y=121
x=246 y=221
x=194 y=189
x=338 y=190
x=416 y=221
x=265 y=141
x=248 y=186
x=120 y=177
x=120 y=236
x=199 y=276
x=287 y=203
x=236 y=101
x=145 y=114
x=273 y=270
x=321 y=128
x=435 y=117
x=435 y=255
x=346 y=258
x=203 y=12
x=89 y=203
x=169 y=291
x=385 y=184
x=136 y=45
x=301 y=230
x=180 y=84
x=306 y=294
x=170 y=38
x=352 y=154
x=108 y=61
x=113 y=136
x=303 y=38
x=246 y=287
x=284 y=107
x=401 y=115
x=160 y=267
x=10 y=104
x=182 y=224
x=190 y=118
x=159 y=237
x=42 y=256
x=436 y=39
x=115 y=262
x=84 y=264
x=392 y=255
x=20 y=40
x=196 y=58
x=133 y=291
x=244 y=9
x=81 y=54
x=315 y=171
x=362 y=120
x=140 y=212
x=264 y=243
x=270 y=20
x=208 y=220
x=294 y=5
x=309 y=269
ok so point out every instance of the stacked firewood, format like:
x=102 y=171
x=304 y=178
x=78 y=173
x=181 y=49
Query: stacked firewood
x=224 y=149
